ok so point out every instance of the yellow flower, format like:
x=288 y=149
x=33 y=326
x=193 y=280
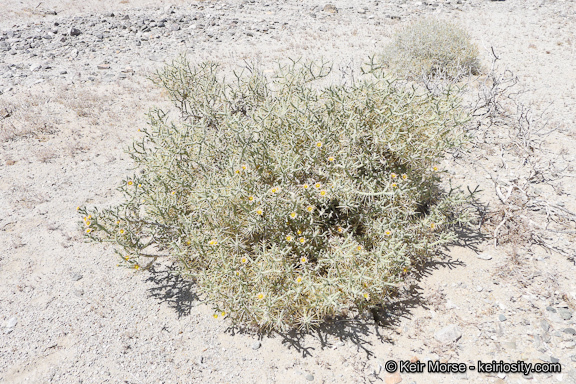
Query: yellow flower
x=330 y=159
x=244 y=167
x=394 y=185
x=136 y=267
x=393 y=175
x=388 y=232
x=260 y=296
x=299 y=232
x=139 y=185
x=127 y=258
x=319 y=144
x=435 y=168
x=130 y=182
x=302 y=240
x=223 y=314
x=359 y=247
x=250 y=198
x=237 y=171
x=117 y=222
x=367 y=296
x=78 y=208
x=299 y=279
x=303 y=259
x=88 y=223
x=293 y=215
x=88 y=230
x=323 y=193
x=244 y=260
x=121 y=231
x=309 y=208
x=213 y=242
x=188 y=242
x=275 y=189
x=404 y=176
x=288 y=238
x=173 y=192
x=215 y=315
x=432 y=225
x=405 y=270
x=305 y=186
x=237 y=273
x=340 y=229
x=317 y=185
x=259 y=212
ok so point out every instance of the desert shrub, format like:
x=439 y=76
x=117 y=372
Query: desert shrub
x=430 y=47
x=286 y=200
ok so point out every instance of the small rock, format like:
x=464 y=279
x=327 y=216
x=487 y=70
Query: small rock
x=501 y=317
x=310 y=377
x=573 y=358
x=377 y=367
x=249 y=34
x=11 y=323
x=545 y=325
x=393 y=378
x=103 y=66
x=569 y=345
x=74 y=32
x=484 y=256
x=448 y=334
x=545 y=359
x=554 y=359
x=479 y=288
x=35 y=67
x=565 y=313
x=76 y=276
x=509 y=344
x=330 y=8
x=173 y=27
x=256 y=345
x=570 y=331
x=551 y=309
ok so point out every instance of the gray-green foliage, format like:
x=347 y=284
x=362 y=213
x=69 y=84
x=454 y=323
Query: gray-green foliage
x=430 y=47
x=285 y=200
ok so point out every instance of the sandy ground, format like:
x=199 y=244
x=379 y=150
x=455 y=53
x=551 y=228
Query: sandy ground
x=68 y=314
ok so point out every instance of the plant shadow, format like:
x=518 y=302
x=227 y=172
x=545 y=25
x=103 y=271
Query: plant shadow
x=360 y=330
x=173 y=289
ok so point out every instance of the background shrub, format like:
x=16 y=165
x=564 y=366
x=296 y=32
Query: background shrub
x=286 y=200
x=430 y=47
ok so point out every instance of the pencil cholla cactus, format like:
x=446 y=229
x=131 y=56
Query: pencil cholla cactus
x=288 y=201
x=431 y=47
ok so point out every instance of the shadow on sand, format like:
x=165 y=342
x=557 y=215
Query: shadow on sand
x=179 y=293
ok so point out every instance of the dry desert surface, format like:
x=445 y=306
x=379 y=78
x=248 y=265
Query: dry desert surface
x=74 y=90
